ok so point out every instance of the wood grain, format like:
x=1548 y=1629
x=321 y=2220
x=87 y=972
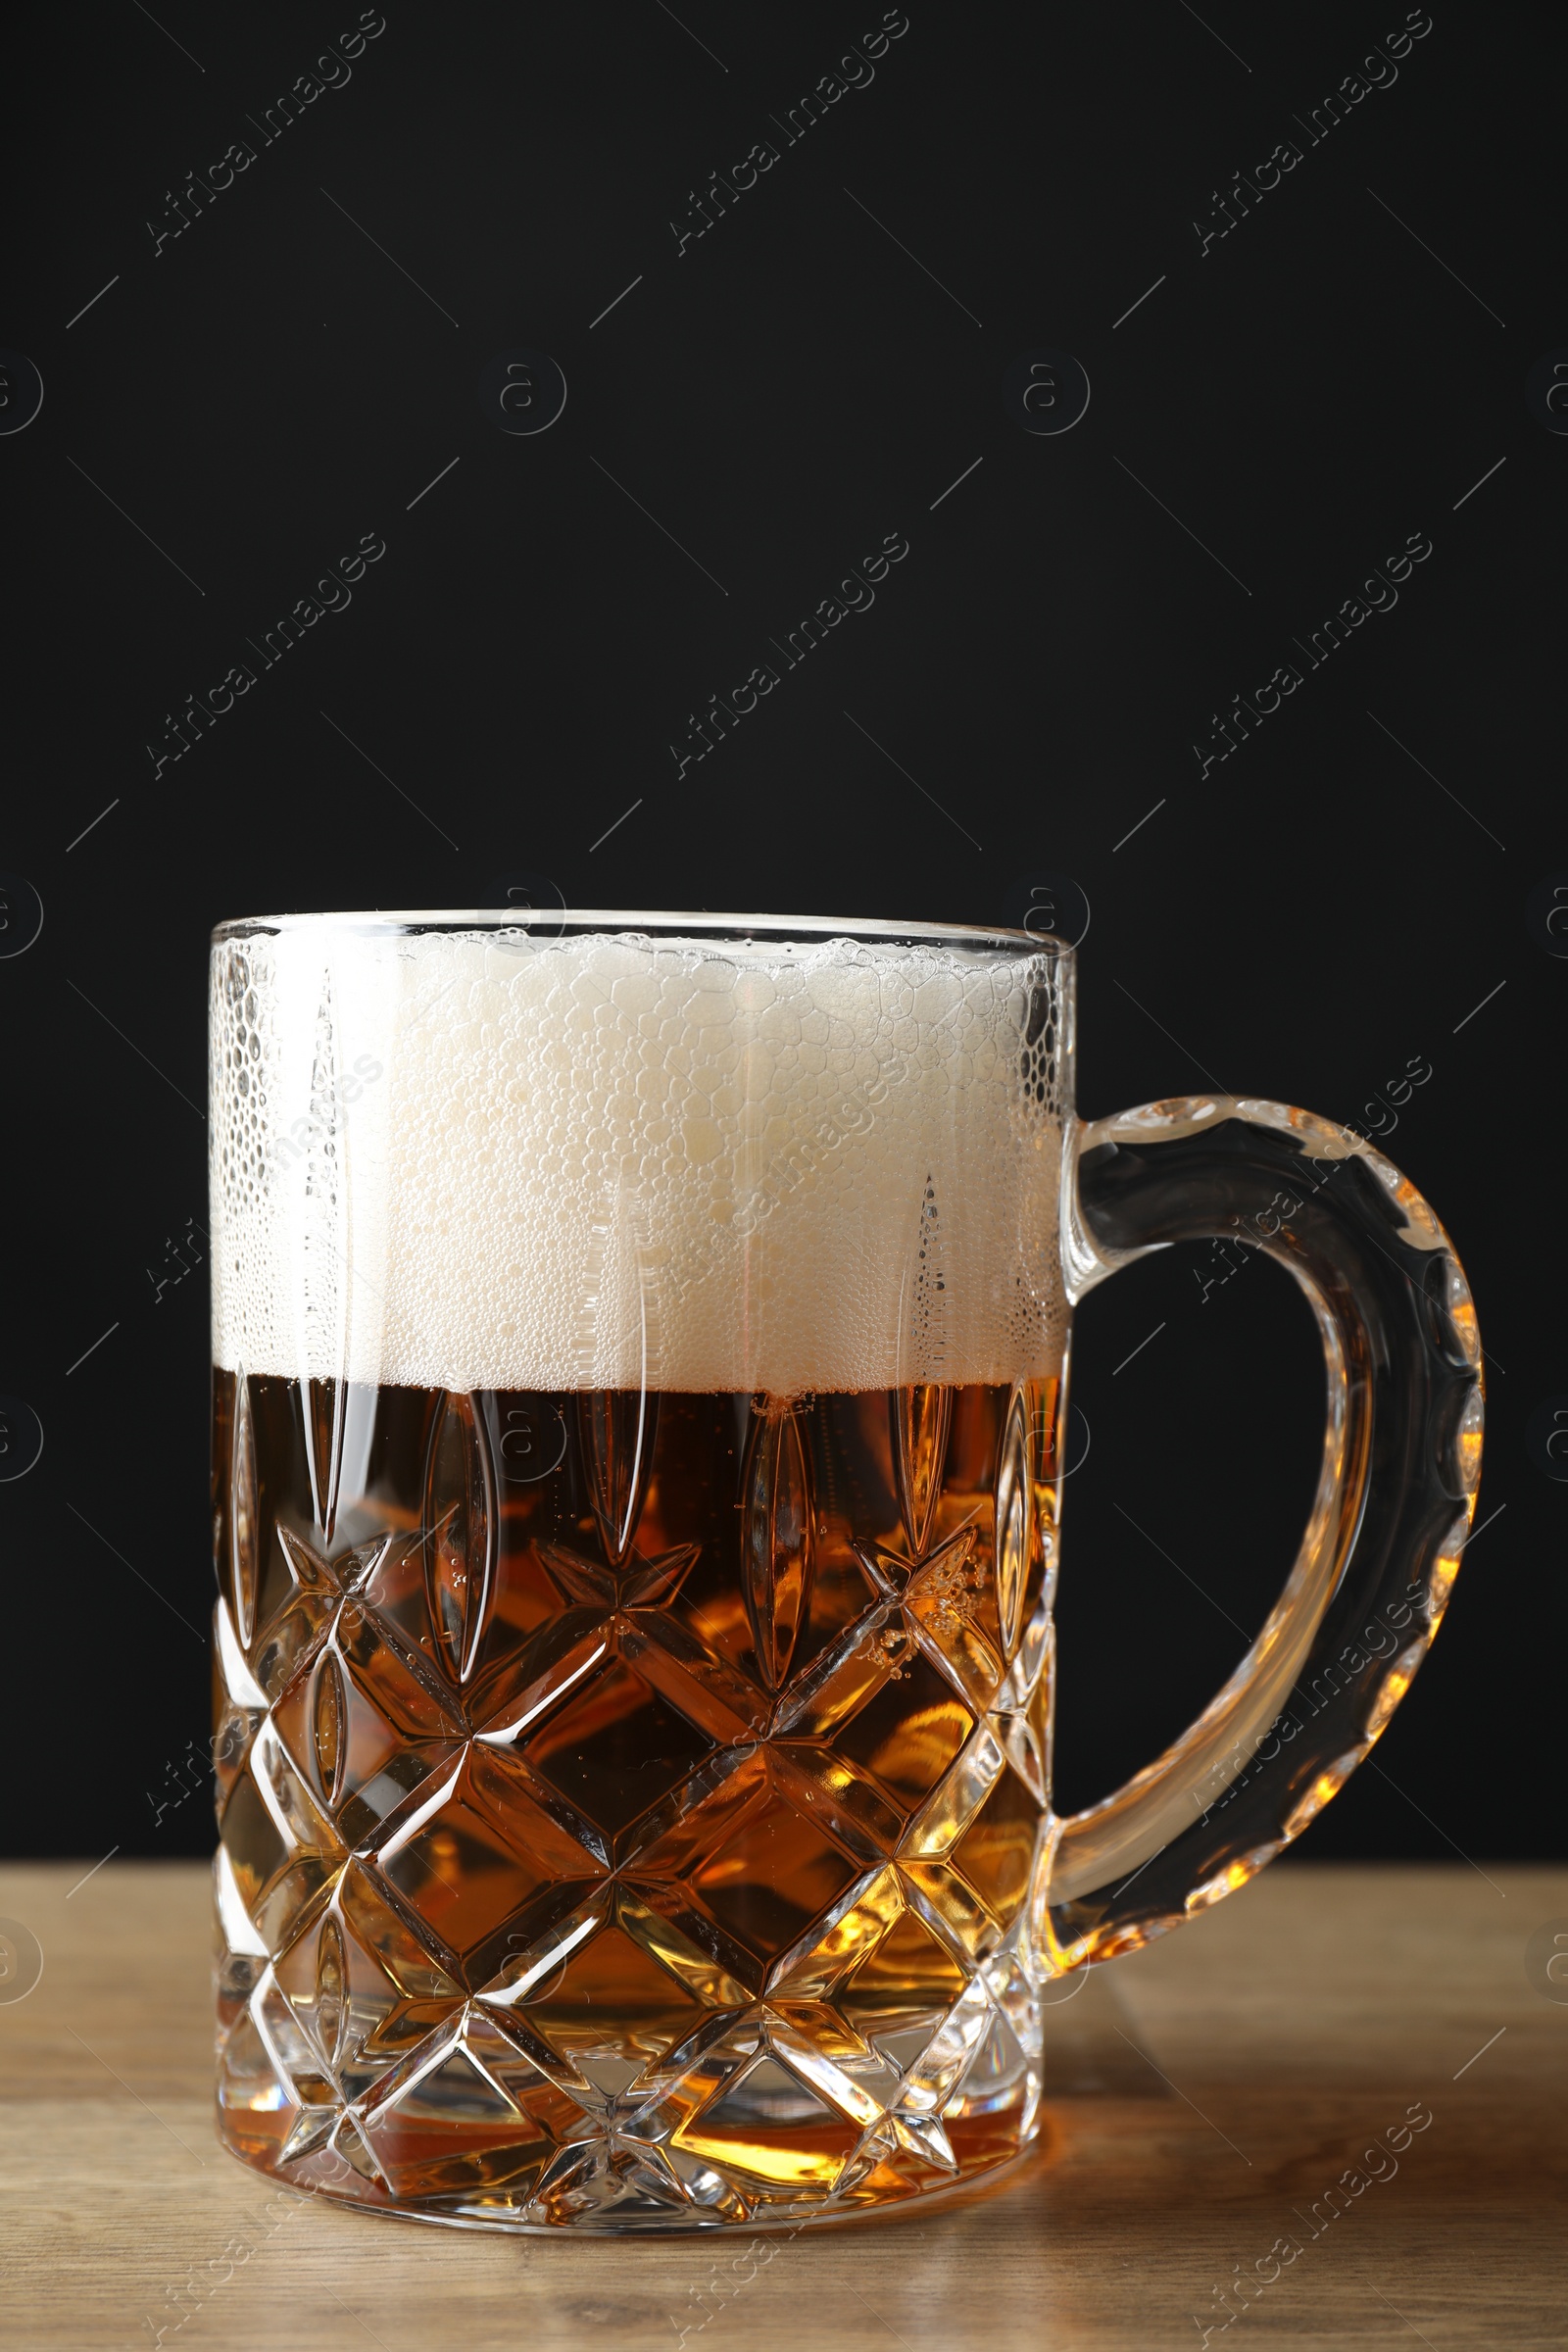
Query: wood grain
x=1202 y=2096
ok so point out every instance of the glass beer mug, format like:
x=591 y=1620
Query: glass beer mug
x=640 y=1351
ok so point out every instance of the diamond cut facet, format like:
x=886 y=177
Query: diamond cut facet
x=615 y=1747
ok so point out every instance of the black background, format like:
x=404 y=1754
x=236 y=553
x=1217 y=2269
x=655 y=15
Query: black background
x=1322 y=906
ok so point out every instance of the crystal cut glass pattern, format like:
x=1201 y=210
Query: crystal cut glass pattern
x=658 y=1844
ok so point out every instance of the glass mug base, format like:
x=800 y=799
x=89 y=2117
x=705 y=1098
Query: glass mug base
x=634 y=1811
x=615 y=2195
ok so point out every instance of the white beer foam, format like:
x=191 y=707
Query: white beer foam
x=483 y=1159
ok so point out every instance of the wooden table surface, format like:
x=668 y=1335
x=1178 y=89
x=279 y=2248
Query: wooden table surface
x=1202 y=2096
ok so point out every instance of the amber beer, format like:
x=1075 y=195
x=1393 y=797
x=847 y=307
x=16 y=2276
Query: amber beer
x=656 y=1754
x=633 y=1777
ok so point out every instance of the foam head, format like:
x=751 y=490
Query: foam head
x=475 y=1158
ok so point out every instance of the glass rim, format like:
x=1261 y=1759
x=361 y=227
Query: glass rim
x=558 y=922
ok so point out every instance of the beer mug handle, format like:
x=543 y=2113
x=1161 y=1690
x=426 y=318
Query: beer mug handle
x=1396 y=1495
